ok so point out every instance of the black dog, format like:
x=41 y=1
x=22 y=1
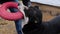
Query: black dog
x=38 y=27
x=35 y=17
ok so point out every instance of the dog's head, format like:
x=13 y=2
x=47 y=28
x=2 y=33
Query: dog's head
x=35 y=18
x=34 y=14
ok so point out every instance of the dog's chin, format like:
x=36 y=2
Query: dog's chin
x=25 y=21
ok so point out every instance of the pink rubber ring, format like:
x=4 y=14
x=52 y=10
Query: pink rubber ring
x=8 y=15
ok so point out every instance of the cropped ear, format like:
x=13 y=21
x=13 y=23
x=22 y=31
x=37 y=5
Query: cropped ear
x=36 y=7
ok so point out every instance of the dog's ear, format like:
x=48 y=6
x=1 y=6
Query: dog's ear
x=36 y=7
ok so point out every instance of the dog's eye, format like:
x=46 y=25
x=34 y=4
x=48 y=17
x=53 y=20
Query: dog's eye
x=35 y=21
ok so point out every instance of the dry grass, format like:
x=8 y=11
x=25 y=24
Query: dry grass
x=7 y=27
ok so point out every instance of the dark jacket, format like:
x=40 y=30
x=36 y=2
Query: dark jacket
x=25 y=2
x=3 y=1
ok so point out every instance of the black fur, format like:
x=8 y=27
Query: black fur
x=34 y=14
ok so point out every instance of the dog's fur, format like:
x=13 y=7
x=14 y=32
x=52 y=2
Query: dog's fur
x=38 y=27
